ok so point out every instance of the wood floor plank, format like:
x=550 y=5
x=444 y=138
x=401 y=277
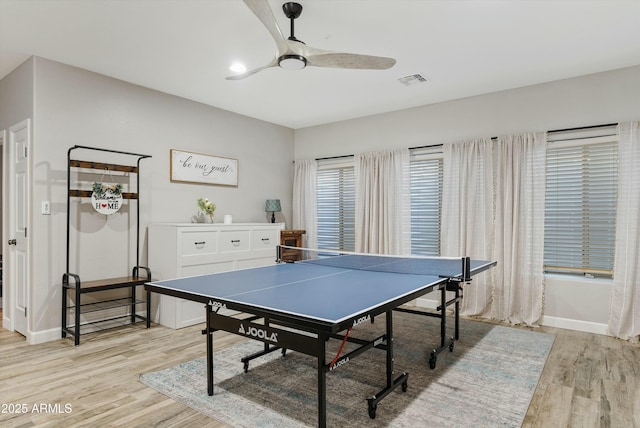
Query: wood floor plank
x=585 y=412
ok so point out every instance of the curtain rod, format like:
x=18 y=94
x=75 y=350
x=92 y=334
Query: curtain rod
x=350 y=156
x=335 y=157
x=579 y=128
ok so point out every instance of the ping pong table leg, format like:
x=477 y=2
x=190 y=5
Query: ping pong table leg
x=322 y=382
x=433 y=357
x=209 y=335
x=402 y=380
x=456 y=307
x=443 y=314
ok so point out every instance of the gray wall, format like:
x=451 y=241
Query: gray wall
x=583 y=101
x=601 y=98
x=78 y=107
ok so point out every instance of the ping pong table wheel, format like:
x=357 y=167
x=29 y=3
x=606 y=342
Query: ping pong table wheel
x=372 y=410
x=246 y=366
x=451 y=345
x=432 y=361
x=404 y=386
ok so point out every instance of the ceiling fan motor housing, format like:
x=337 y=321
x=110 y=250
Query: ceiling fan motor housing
x=292 y=11
x=292 y=62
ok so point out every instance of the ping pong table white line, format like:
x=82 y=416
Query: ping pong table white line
x=344 y=270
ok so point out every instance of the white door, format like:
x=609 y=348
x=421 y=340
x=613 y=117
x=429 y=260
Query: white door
x=17 y=266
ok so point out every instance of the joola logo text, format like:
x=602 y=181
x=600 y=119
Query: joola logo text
x=361 y=320
x=217 y=305
x=338 y=363
x=259 y=333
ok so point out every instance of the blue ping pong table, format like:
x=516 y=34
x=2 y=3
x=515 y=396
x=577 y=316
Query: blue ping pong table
x=301 y=305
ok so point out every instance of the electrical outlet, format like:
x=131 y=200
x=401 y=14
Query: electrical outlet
x=46 y=208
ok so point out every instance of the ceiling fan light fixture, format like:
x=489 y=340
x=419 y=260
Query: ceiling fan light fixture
x=292 y=62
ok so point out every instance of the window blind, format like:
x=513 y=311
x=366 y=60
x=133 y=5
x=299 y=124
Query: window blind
x=580 y=207
x=336 y=208
x=426 y=205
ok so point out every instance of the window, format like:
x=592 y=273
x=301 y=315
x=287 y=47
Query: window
x=426 y=204
x=336 y=204
x=580 y=207
x=336 y=207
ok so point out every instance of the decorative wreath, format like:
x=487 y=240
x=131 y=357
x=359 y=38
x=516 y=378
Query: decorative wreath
x=100 y=189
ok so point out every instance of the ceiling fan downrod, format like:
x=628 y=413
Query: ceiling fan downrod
x=292 y=11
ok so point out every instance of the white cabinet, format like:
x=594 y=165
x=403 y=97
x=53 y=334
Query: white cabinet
x=187 y=249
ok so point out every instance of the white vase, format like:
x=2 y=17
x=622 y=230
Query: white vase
x=202 y=218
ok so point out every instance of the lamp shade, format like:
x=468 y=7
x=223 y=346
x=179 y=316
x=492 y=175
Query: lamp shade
x=273 y=205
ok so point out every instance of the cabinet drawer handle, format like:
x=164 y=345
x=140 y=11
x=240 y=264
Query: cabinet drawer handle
x=266 y=240
x=200 y=243
x=235 y=242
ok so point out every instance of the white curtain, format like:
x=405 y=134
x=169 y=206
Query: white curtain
x=624 y=317
x=383 y=202
x=467 y=215
x=494 y=210
x=305 y=212
x=520 y=188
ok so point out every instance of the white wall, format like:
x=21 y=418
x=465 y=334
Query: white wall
x=601 y=98
x=78 y=107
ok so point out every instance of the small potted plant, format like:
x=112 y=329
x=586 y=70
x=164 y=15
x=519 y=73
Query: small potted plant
x=207 y=207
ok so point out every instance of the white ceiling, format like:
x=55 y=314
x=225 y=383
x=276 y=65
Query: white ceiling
x=463 y=48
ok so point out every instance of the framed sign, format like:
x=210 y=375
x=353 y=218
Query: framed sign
x=198 y=168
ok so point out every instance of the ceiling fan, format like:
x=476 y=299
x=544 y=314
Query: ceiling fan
x=293 y=54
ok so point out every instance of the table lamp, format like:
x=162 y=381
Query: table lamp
x=272 y=206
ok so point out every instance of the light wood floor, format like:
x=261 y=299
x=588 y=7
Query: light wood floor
x=589 y=380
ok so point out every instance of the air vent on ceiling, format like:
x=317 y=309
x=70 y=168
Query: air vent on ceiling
x=412 y=79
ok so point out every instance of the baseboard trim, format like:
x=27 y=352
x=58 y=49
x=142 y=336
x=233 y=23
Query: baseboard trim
x=577 y=325
x=549 y=321
x=6 y=322
x=37 y=337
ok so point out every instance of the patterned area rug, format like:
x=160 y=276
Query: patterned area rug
x=487 y=381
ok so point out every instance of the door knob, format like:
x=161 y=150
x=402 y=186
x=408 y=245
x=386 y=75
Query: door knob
x=12 y=242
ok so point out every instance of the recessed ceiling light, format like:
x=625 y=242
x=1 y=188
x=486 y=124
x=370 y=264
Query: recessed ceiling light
x=238 y=67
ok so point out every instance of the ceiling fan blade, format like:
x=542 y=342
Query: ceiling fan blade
x=252 y=72
x=264 y=13
x=352 y=61
x=330 y=59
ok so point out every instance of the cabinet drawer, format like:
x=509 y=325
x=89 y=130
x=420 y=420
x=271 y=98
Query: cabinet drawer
x=265 y=239
x=207 y=268
x=198 y=243
x=232 y=241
